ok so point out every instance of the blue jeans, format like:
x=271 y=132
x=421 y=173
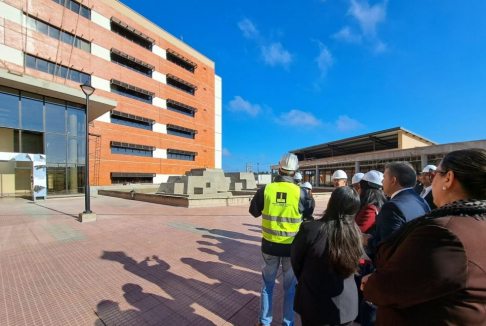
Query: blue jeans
x=269 y=274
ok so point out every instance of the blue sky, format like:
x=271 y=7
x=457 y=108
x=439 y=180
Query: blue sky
x=300 y=73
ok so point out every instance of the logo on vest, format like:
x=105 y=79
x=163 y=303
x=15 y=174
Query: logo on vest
x=281 y=198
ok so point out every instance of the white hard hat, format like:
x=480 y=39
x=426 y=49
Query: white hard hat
x=307 y=185
x=429 y=167
x=289 y=162
x=357 y=178
x=339 y=174
x=373 y=176
x=298 y=176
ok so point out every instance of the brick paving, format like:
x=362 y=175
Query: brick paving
x=139 y=264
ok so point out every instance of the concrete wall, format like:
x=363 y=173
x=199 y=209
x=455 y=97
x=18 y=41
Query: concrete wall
x=408 y=141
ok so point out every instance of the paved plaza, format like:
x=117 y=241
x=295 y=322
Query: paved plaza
x=139 y=264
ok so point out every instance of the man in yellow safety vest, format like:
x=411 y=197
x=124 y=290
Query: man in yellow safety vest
x=281 y=205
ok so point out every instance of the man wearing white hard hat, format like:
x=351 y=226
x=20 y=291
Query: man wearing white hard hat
x=427 y=182
x=281 y=204
x=355 y=181
x=308 y=187
x=339 y=178
x=298 y=178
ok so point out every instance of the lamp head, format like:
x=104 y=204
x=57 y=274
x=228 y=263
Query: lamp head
x=87 y=88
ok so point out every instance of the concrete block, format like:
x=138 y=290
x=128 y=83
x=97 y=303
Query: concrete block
x=87 y=217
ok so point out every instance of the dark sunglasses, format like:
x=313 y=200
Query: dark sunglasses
x=432 y=174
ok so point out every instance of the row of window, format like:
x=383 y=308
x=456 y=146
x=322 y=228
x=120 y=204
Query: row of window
x=180 y=109
x=56 y=33
x=178 y=61
x=123 y=180
x=131 y=94
x=27 y=111
x=55 y=69
x=180 y=86
x=131 y=123
x=76 y=7
x=149 y=153
x=129 y=35
x=180 y=133
x=129 y=64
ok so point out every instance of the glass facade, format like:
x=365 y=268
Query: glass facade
x=44 y=125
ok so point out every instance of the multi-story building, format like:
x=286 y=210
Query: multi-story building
x=371 y=152
x=156 y=110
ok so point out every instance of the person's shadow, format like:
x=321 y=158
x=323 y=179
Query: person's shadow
x=185 y=295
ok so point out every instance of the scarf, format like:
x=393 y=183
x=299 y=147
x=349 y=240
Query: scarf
x=466 y=207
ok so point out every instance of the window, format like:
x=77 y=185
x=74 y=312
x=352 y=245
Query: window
x=9 y=107
x=181 y=108
x=130 y=91
x=56 y=33
x=179 y=60
x=76 y=7
x=131 y=63
x=131 y=123
x=131 y=34
x=180 y=131
x=54 y=69
x=120 y=177
x=131 y=149
x=176 y=154
x=181 y=84
x=32 y=112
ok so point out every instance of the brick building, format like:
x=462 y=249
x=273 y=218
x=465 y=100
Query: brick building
x=156 y=110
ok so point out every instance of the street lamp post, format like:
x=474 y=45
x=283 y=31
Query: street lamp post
x=87 y=215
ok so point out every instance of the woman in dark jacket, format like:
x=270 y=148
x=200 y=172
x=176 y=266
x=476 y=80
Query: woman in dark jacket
x=325 y=255
x=372 y=198
x=433 y=270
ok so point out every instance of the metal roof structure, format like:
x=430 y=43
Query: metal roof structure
x=372 y=142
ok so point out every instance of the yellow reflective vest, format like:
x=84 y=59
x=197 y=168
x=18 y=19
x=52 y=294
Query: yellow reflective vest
x=280 y=216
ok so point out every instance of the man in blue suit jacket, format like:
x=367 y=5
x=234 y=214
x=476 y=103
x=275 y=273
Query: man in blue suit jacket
x=405 y=204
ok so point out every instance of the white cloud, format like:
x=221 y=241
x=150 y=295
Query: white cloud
x=226 y=152
x=239 y=105
x=345 y=123
x=299 y=118
x=324 y=60
x=380 y=47
x=346 y=35
x=249 y=30
x=368 y=16
x=274 y=54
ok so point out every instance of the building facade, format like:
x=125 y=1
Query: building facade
x=156 y=111
x=371 y=152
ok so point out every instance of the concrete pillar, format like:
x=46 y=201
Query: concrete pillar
x=318 y=177
x=357 y=167
x=425 y=161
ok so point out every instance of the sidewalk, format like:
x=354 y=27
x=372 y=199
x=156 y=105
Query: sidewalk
x=139 y=264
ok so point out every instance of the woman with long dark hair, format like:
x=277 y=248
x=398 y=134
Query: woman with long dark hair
x=371 y=198
x=325 y=255
x=432 y=271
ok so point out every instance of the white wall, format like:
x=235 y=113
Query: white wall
x=218 y=122
x=11 y=13
x=159 y=77
x=11 y=55
x=104 y=118
x=100 y=83
x=100 y=20
x=100 y=52
x=159 y=51
x=160 y=153
x=162 y=178
x=159 y=102
x=160 y=128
